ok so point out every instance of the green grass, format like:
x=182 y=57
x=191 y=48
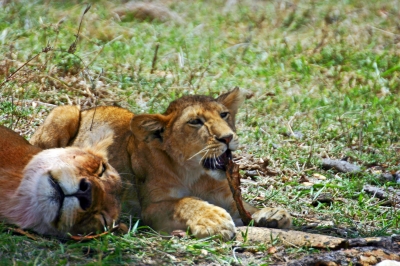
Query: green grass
x=329 y=70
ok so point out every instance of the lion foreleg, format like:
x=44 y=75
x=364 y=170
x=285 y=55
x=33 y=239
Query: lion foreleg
x=202 y=218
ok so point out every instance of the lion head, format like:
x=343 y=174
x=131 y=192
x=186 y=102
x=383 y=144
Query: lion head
x=197 y=131
x=66 y=190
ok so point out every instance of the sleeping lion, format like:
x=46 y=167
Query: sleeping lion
x=172 y=164
x=58 y=191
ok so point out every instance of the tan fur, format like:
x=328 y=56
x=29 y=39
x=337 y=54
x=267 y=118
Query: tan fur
x=31 y=181
x=162 y=161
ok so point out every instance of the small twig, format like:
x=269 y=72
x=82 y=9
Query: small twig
x=290 y=124
x=234 y=254
x=90 y=236
x=247 y=41
x=72 y=48
x=45 y=50
x=153 y=64
x=21 y=232
x=322 y=42
x=308 y=162
x=385 y=31
x=38 y=103
x=360 y=134
x=233 y=177
x=59 y=80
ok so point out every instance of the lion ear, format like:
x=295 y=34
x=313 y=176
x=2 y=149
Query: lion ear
x=147 y=127
x=232 y=100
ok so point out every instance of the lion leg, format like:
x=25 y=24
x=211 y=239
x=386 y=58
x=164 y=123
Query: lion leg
x=202 y=218
x=58 y=129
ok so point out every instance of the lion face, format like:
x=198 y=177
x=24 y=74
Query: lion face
x=204 y=138
x=198 y=132
x=68 y=190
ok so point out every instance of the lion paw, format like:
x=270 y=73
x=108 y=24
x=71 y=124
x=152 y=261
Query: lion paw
x=273 y=218
x=213 y=221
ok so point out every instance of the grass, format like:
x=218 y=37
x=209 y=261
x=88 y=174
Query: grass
x=329 y=70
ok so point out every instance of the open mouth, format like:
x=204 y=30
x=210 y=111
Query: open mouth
x=218 y=163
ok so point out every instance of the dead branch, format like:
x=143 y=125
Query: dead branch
x=233 y=176
x=288 y=237
x=72 y=48
x=389 y=194
x=153 y=64
x=303 y=239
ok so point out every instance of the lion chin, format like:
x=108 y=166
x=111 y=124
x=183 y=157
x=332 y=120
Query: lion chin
x=58 y=191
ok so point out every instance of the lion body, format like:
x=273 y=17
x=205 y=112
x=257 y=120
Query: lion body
x=173 y=164
x=57 y=191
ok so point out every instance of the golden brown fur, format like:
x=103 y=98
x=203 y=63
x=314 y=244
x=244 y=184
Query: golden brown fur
x=172 y=164
x=58 y=191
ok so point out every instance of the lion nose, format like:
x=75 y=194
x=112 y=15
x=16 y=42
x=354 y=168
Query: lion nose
x=226 y=139
x=84 y=194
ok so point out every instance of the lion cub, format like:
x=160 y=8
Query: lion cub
x=173 y=164
x=58 y=191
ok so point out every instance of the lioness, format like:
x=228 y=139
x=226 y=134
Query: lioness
x=175 y=162
x=58 y=191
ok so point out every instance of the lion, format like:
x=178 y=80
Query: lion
x=58 y=191
x=173 y=165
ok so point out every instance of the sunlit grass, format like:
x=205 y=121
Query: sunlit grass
x=326 y=69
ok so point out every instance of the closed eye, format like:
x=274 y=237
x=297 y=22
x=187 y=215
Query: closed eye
x=103 y=169
x=224 y=114
x=195 y=122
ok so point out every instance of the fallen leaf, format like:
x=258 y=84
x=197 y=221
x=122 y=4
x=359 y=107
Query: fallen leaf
x=319 y=176
x=272 y=250
x=303 y=179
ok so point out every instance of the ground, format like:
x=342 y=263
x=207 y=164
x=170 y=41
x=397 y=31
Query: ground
x=322 y=79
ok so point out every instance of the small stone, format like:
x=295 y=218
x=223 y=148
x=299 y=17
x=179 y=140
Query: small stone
x=323 y=198
x=271 y=172
x=294 y=134
x=370 y=260
x=397 y=177
x=251 y=173
x=204 y=252
x=387 y=177
x=276 y=146
x=341 y=166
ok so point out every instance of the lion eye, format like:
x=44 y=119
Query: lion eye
x=224 y=114
x=103 y=169
x=195 y=122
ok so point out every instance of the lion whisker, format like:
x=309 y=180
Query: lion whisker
x=204 y=155
x=202 y=150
